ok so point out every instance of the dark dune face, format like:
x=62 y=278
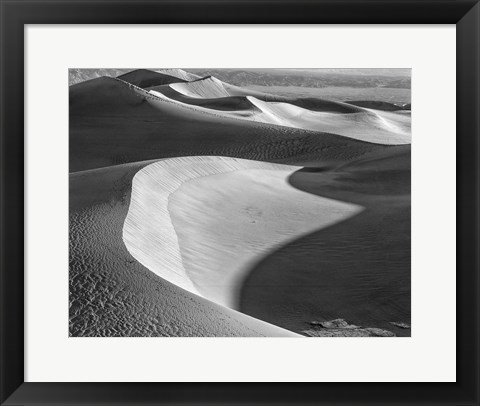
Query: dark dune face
x=147 y=78
x=358 y=269
x=100 y=97
x=112 y=123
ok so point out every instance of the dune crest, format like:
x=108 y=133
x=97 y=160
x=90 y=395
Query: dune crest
x=208 y=87
x=201 y=222
x=146 y=78
x=180 y=74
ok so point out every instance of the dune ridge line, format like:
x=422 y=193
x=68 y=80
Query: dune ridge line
x=365 y=124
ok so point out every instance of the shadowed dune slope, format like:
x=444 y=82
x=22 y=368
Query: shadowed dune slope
x=102 y=96
x=146 y=78
x=112 y=122
x=113 y=295
x=358 y=269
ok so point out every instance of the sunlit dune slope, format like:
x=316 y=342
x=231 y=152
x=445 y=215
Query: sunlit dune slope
x=228 y=103
x=179 y=73
x=210 y=87
x=200 y=222
x=207 y=88
x=367 y=125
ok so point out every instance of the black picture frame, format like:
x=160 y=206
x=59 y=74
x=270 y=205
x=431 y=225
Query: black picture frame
x=15 y=14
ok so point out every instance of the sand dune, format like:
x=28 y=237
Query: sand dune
x=210 y=87
x=179 y=73
x=146 y=78
x=357 y=122
x=365 y=125
x=113 y=295
x=229 y=103
x=199 y=222
x=112 y=122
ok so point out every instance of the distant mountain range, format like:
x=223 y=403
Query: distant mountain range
x=309 y=78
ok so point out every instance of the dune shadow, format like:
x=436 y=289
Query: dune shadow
x=358 y=269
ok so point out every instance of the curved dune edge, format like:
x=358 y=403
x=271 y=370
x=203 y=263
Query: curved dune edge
x=111 y=294
x=381 y=127
x=211 y=87
x=200 y=222
x=208 y=87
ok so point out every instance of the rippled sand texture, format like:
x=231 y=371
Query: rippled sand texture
x=112 y=294
x=200 y=222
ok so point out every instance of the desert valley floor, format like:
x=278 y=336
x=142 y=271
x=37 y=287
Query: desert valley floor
x=201 y=208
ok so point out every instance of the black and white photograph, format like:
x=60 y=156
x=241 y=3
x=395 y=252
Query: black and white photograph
x=240 y=202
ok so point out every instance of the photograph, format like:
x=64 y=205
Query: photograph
x=239 y=202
